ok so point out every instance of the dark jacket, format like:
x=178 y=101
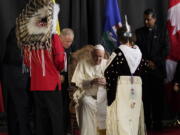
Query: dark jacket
x=12 y=52
x=177 y=73
x=154 y=46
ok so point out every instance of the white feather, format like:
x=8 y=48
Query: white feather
x=55 y=17
x=127 y=25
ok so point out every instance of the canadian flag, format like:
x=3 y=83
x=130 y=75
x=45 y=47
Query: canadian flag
x=173 y=25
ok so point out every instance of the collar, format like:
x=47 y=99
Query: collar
x=133 y=56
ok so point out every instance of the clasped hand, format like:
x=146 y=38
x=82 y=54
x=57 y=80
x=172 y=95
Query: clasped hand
x=151 y=64
x=99 y=81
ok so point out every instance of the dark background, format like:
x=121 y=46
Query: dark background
x=85 y=17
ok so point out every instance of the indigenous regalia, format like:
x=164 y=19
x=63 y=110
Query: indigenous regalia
x=43 y=54
x=125 y=109
x=42 y=49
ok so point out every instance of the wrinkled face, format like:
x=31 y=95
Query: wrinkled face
x=149 y=21
x=67 y=41
x=97 y=56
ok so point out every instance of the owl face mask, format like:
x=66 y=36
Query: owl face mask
x=34 y=25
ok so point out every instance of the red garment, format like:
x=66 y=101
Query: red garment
x=173 y=26
x=172 y=98
x=45 y=66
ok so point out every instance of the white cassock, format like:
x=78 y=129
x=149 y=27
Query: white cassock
x=91 y=111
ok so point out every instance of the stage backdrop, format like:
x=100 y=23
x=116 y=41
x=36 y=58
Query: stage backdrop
x=85 y=17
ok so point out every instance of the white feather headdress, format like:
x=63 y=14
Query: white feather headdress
x=36 y=23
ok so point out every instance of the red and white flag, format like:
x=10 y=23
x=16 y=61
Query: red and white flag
x=173 y=25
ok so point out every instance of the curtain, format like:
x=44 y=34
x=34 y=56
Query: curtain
x=85 y=17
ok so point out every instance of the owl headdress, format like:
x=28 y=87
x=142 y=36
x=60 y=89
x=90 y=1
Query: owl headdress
x=34 y=29
x=36 y=24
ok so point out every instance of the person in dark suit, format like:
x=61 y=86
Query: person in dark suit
x=16 y=85
x=66 y=37
x=152 y=41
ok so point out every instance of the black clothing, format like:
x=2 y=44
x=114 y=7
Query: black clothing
x=49 y=112
x=153 y=45
x=16 y=85
x=177 y=73
x=65 y=95
x=119 y=67
x=13 y=53
x=18 y=100
x=153 y=99
x=66 y=101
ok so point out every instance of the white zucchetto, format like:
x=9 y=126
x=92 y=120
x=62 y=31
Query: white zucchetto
x=99 y=47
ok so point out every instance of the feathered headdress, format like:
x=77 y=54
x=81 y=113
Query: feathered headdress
x=128 y=33
x=34 y=29
x=34 y=25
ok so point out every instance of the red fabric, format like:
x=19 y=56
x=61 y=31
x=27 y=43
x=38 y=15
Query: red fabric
x=1 y=100
x=174 y=42
x=47 y=78
x=166 y=132
x=76 y=132
x=173 y=25
x=173 y=3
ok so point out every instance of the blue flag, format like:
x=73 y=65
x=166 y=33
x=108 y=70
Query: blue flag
x=112 y=22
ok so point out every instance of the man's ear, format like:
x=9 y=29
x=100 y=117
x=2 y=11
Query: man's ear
x=92 y=52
